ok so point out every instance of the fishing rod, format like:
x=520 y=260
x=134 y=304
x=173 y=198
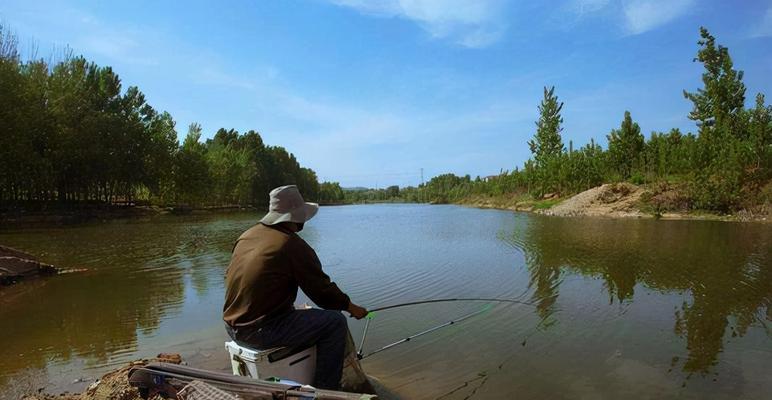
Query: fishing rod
x=371 y=315
x=413 y=303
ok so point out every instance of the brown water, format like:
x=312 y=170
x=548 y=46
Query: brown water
x=623 y=308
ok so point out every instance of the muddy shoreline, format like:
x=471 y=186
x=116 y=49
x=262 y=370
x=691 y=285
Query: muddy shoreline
x=615 y=200
x=61 y=217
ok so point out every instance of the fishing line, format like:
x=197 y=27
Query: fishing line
x=371 y=315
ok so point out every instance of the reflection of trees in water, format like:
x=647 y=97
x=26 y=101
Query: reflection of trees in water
x=725 y=267
x=137 y=279
x=545 y=282
x=91 y=315
x=94 y=317
x=206 y=254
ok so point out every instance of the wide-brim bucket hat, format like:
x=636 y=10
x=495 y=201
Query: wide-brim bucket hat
x=287 y=205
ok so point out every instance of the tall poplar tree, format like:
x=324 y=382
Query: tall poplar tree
x=547 y=142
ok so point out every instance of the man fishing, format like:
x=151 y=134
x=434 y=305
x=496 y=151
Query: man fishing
x=269 y=262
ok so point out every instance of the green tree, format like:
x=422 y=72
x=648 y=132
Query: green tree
x=760 y=138
x=161 y=155
x=547 y=145
x=547 y=142
x=255 y=149
x=11 y=96
x=722 y=146
x=625 y=146
x=723 y=94
x=584 y=168
x=191 y=174
x=330 y=193
x=392 y=191
x=70 y=132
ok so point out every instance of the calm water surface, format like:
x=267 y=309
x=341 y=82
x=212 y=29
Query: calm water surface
x=621 y=308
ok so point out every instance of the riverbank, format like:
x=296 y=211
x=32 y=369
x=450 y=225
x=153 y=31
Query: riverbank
x=618 y=200
x=78 y=215
x=613 y=200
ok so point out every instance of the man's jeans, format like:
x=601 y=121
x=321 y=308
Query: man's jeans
x=324 y=328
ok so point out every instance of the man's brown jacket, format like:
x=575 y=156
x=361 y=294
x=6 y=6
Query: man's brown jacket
x=268 y=265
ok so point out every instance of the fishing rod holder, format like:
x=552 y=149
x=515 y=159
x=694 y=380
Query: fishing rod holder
x=361 y=355
x=360 y=352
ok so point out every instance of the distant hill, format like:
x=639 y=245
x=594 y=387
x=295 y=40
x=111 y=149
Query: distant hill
x=356 y=189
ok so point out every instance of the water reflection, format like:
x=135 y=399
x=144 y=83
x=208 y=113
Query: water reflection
x=725 y=271
x=137 y=278
x=91 y=318
x=616 y=300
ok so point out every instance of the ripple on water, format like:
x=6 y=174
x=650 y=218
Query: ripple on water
x=621 y=307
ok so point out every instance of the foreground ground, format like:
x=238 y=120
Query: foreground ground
x=113 y=385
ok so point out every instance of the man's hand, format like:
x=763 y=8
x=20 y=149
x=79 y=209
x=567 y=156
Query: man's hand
x=356 y=311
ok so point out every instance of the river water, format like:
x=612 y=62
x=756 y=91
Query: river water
x=620 y=308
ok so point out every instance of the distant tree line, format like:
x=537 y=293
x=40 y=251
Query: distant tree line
x=231 y=168
x=726 y=166
x=70 y=135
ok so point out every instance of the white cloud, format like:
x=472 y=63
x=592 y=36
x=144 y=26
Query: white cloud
x=356 y=142
x=764 y=29
x=468 y=23
x=582 y=7
x=637 y=16
x=644 y=15
x=120 y=46
x=109 y=42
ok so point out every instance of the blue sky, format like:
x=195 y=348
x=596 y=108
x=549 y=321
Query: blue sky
x=369 y=92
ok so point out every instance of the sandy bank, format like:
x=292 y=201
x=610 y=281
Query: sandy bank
x=617 y=200
x=621 y=200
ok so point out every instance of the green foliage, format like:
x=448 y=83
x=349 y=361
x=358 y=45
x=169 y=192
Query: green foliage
x=545 y=204
x=446 y=188
x=723 y=94
x=732 y=155
x=192 y=177
x=547 y=142
x=759 y=142
x=726 y=167
x=625 y=146
x=331 y=193
x=391 y=194
x=669 y=154
x=70 y=134
x=583 y=169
